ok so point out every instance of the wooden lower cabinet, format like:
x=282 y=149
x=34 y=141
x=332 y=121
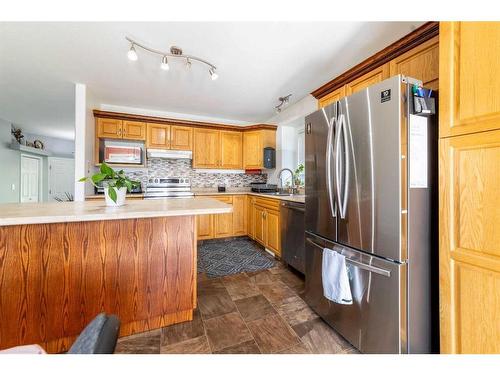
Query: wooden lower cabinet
x=239 y=215
x=250 y=216
x=273 y=231
x=266 y=224
x=259 y=224
x=205 y=227
x=224 y=225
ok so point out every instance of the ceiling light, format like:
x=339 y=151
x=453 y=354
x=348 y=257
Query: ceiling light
x=132 y=55
x=213 y=74
x=174 y=52
x=164 y=63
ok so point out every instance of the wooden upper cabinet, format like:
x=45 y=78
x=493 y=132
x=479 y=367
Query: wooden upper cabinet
x=421 y=62
x=469 y=248
x=206 y=148
x=158 y=136
x=181 y=138
x=252 y=150
x=254 y=143
x=231 y=144
x=375 y=76
x=332 y=97
x=469 y=77
x=134 y=130
x=109 y=128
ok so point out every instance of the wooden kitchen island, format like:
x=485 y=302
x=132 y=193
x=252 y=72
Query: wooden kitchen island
x=63 y=263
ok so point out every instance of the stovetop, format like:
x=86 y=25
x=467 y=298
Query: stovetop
x=168 y=187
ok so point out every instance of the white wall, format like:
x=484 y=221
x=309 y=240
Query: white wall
x=290 y=123
x=85 y=102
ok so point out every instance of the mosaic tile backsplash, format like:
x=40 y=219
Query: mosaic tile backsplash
x=157 y=167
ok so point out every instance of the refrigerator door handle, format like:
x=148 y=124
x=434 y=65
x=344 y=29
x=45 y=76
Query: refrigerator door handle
x=338 y=193
x=331 y=199
x=347 y=167
x=364 y=266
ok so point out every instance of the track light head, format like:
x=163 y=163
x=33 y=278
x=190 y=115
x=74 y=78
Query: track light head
x=213 y=74
x=164 y=63
x=188 y=63
x=132 y=54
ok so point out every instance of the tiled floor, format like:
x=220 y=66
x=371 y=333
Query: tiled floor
x=257 y=312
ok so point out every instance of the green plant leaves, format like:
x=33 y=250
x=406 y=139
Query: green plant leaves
x=98 y=177
x=107 y=170
x=112 y=193
x=112 y=179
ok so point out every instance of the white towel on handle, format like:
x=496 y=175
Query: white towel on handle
x=336 y=286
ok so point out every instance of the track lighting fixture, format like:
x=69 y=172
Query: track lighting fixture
x=213 y=75
x=164 y=63
x=175 y=52
x=131 y=54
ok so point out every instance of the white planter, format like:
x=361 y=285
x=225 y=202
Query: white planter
x=120 y=197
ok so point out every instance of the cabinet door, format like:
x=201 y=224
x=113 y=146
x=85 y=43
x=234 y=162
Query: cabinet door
x=272 y=223
x=134 y=130
x=250 y=216
x=375 y=76
x=252 y=150
x=421 y=62
x=239 y=215
x=258 y=220
x=205 y=227
x=109 y=128
x=231 y=143
x=181 y=138
x=224 y=222
x=332 y=97
x=469 y=249
x=206 y=148
x=469 y=77
x=158 y=136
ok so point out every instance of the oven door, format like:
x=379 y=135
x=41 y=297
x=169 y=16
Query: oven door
x=376 y=321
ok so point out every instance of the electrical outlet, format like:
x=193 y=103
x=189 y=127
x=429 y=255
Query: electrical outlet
x=13 y=187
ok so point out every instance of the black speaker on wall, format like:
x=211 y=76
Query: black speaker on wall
x=269 y=158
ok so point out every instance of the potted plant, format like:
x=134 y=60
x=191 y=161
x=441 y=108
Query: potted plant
x=116 y=184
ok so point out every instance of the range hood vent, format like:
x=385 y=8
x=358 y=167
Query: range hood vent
x=169 y=154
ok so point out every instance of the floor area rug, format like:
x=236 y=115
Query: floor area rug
x=221 y=258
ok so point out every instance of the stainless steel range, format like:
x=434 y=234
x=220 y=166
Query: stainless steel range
x=168 y=187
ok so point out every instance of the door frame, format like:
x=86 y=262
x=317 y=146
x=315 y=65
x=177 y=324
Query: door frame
x=40 y=176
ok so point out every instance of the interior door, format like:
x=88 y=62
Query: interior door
x=61 y=178
x=321 y=211
x=367 y=170
x=30 y=178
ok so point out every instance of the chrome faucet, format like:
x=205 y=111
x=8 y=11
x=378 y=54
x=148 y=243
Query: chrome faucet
x=281 y=179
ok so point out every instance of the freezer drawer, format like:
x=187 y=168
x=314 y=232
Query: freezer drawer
x=376 y=321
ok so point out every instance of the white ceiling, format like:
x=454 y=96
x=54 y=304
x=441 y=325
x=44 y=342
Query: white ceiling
x=257 y=62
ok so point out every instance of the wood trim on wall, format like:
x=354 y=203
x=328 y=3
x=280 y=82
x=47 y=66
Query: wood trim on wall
x=170 y=121
x=406 y=43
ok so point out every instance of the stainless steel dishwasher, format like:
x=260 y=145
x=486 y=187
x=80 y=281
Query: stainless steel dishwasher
x=292 y=234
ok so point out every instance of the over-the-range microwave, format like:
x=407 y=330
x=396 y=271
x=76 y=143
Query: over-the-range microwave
x=122 y=154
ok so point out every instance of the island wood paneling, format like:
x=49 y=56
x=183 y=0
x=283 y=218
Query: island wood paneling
x=55 y=278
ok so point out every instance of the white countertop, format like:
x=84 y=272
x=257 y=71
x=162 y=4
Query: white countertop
x=57 y=212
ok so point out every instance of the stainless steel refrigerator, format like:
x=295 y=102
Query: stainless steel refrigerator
x=371 y=184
